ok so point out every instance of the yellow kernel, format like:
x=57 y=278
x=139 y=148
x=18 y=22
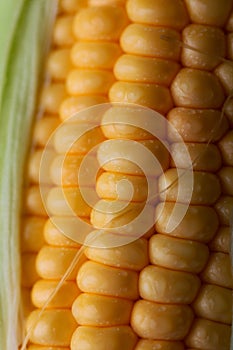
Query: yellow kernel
x=168 y=286
x=208 y=45
x=29 y=273
x=38 y=173
x=59 y=64
x=125 y=156
x=214 y=303
x=100 y=311
x=34 y=203
x=168 y=13
x=218 y=270
x=194 y=88
x=132 y=122
x=74 y=104
x=63 y=298
x=206 y=334
x=106 y=2
x=44 y=128
x=111 y=338
x=204 y=157
x=70 y=201
x=39 y=347
x=105 y=280
x=100 y=55
x=72 y=6
x=103 y=23
x=173 y=186
x=178 y=254
x=56 y=237
x=226 y=147
x=149 y=95
x=123 y=187
x=86 y=82
x=52 y=262
x=200 y=223
x=221 y=241
x=197 y=125
x=32 y=238
x=224 y=73
x=52 y=97
x=224 y=207
x=132 y=256
x=63 y=32
x=77 y=138
x=160 y=321
x=26 y=301
x=209 y=11
x=145 y=40
x=145 y=69
x=54 y=327
x=226 y=179
x=146 y=344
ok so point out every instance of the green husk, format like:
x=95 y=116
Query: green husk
x=25 y=26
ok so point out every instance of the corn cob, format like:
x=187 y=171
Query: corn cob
x=167 y=289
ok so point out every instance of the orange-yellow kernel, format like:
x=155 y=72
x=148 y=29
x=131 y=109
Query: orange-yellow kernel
x=126 y=160
x=204 y=157
x=160 y=321
x=72 y=6
x=199 y=223
x=71 y=106
x=63 y=298
x=63 y=31
x=32 y=238
x=224 y=72
x=206 y=187
x=206 y=334
x=77 y=138
x=221 y=241
x=218 y=270
x=147 y=40
x=100 y=55
x=43 y=130
x=226 y=147
x=146 y=344
x=106 y=2
x=210 y=12
x=38 y=173
x=194 y=88
x=123 y=187
x=52 y=262
x=26 y=301
x=29 y=274
x=52 y=97
x=197 y=125
x=178 y=254
x=167 y=286
x=69 y=201
x=56 y=237
x=145 y=69
x=214 y=303
x=224 y=208
x=131 y=122
x=111 y=338
x=97 y=278
x=53 y=327
x=132 y=256
x=39 y=347
x=149 y=95
x=101 y=311
x=87 y=82
x=208 y=45
x=226 y=179
x=34 y=204
x=103 y=23
x=59 y=64
x=168 y=13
